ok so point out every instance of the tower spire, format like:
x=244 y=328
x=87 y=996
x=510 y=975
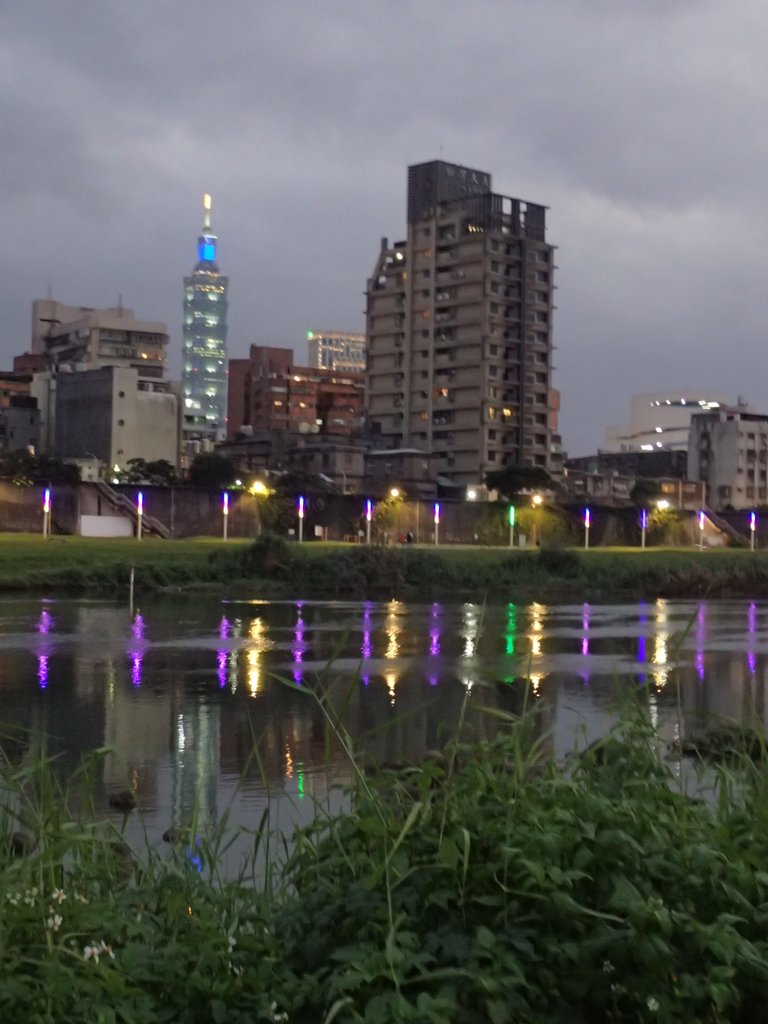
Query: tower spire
x=207 y=213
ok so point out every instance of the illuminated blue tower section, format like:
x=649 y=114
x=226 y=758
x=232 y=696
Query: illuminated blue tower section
x=204 y=374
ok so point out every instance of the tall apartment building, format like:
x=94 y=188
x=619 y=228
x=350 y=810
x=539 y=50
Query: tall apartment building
x=335 y=350
x=204 y=368
x=459 y=327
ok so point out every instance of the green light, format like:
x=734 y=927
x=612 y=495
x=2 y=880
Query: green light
x=310 y=335
x=511 y=630
x=300 y=783
x=511 y=515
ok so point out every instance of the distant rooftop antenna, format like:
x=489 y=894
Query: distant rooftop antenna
x=120 y=304
x=50 y=290
x=207 y=214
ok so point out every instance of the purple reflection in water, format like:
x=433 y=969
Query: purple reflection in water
x=225 y=627
x=752 y=629
x=45 y=624
x=42 y=670
x=701 y=636
x=434 y=632
x=221 y=668
x=432 y=680
x=367 y=647
x=136 y=653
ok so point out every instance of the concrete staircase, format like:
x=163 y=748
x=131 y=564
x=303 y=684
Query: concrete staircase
x=125 y=506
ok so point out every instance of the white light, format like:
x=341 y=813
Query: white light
x=682 y=401
x=471 y=494
x=662 y=503
x=398 y=255
x=659 y=444
x=668 y=402
x=646 y=447
x=658 y=430
x=238 y=483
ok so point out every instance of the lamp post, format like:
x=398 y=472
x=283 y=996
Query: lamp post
x=701 y=528
x=368 y=518
x=643 y=527
x=752 y=525
x=301 y=519
x=225 y=513
x=139 y=513
x=437 y=522
x=511 y=526
x=587 y=518
x=46 y=513
x=537 y=499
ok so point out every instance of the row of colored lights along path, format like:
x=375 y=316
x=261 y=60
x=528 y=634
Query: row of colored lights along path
x=301 y=507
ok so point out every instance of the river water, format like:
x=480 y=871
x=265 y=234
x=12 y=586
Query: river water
x=184 y=689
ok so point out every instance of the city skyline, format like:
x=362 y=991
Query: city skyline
x=634 y=139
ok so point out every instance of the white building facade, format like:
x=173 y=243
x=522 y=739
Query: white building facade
x=728 y=452
x=661 y=419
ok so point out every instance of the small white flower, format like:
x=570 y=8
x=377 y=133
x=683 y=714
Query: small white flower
x=54 y=922
x=608 y=967
x=652 y=1004
x=59 y=895
x=13 y=898
x=96 y=950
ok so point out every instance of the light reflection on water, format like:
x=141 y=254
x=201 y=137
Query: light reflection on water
x=183 y=689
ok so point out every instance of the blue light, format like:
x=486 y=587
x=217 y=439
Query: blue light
x=206 y=249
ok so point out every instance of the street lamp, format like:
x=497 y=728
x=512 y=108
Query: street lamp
x=394 y=492
x=46 y=513
x=537 y=500
x=587 y=520
x=139 y=513
x=511 y=526
x=437 y=522
x=701 y=528
x=752 y=525
x=225 y=513
x=301 y=519
x=643 y=527
x=662 y=504
x=368 y=518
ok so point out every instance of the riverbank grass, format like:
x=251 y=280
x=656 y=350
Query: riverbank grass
x=284 y=569
x=487 y=884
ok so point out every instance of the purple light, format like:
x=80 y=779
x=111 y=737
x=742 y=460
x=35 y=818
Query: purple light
x=45 y=623
x=140 y=502
x=752 y=519
x=47 y=500
x=369 y=510
x=225 y=502
x=751 y=662
x=301 y=507
x=586 y=517
x=437 y=513
x=221 y=668
x=42 y=670
x=225 y=627
x=701 y=519
x=432 y=680
x=700 y=664
x=644 y=519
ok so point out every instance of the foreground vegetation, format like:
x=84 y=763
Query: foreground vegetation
x=278 y=568
x=485 y=885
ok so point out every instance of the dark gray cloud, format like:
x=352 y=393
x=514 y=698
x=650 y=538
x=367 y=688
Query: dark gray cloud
x=639 y=124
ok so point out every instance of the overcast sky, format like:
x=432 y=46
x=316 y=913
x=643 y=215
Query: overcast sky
x=640 y=123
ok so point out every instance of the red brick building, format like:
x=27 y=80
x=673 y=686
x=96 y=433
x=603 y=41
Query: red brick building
x=267 y=393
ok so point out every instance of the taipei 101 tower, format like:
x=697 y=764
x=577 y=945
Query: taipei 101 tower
x=204 y=373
